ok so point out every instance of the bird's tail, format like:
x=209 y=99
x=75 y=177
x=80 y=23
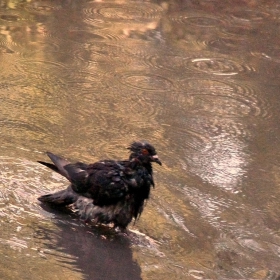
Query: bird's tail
x=61 y=198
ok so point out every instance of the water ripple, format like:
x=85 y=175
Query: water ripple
x=16 y=128
x=48 y=73
x=107 y=53
x=167 y=62
x=240 y=33
x=198 y=21
x=110 y=20
x=272 y=54
x=243 y=23
x=225 y=44
x=238 y=100
x=115 y=116
x=147 y=82
x=25 y=66
x=211 y=208
x=214 y=146
x=249 y=15
x=42 y=8
x=23 y=127
x=117 y=12
x=236 y=29
x=99 y=35
x=219 y=66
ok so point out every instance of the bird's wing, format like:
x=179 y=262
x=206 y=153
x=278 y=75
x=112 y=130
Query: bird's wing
x=78 y=176
x=74 y=172
x=58 y=164
x=109 y=181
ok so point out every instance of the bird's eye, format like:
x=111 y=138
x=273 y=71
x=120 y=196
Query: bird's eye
x=145 y=152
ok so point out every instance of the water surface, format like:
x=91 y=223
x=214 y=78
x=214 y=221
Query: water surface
x=198 y=79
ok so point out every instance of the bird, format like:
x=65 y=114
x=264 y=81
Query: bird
x=107 y=191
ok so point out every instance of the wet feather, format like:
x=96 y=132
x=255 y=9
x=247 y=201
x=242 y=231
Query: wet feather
x=106 y=191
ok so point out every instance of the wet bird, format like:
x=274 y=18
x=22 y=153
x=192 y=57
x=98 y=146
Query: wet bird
x=107 y=191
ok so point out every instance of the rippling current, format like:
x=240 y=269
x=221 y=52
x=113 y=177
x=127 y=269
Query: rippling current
x=198 y=79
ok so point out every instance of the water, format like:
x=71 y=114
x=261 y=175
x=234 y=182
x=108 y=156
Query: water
x=198 y=79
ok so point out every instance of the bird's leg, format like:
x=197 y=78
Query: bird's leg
x=121 y=230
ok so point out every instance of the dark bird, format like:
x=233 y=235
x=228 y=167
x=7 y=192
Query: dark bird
x=107 y=191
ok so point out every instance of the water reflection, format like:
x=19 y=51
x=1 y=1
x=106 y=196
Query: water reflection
x=199 y=78
x=91 y=252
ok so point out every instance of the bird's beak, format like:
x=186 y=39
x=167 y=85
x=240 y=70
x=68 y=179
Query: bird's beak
x=156 y=159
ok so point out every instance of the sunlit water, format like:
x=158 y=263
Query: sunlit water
x=198 y=79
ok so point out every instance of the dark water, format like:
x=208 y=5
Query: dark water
x=198 y=79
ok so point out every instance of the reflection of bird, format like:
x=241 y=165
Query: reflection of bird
x=107 y=191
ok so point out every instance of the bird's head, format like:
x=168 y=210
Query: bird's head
x=144 y=152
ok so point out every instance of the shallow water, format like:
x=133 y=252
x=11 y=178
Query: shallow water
x=198 y=79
